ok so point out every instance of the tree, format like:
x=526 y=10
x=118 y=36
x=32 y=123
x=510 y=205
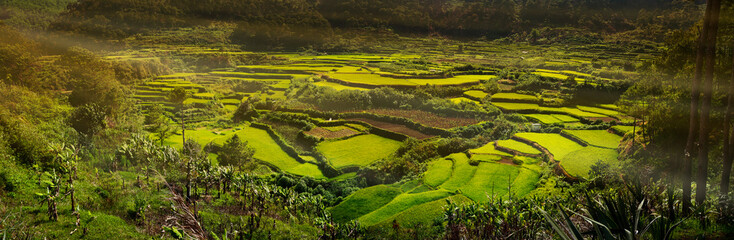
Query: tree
x=694 y=126
x=157 y=122
x=728 y=141
x=87 y=120
x=53 y=186
x=245 y=112
x=705 y=126
x=235 y=152
x=193 y=156
x=177 y=96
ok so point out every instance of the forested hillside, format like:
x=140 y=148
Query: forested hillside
x=298 y=23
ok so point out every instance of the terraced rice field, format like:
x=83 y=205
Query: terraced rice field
x=518 y=146
x=463 y=99
x=514 y=97
x=376 y=80
x=475 y=94
x=357 y=151
x=556 y=144
x=597 y=138
x=337 y=86
x=266 y=149
x=579 y=162
x=332 y=133
x=427 y=118
x=363 y=202
x=449 y=178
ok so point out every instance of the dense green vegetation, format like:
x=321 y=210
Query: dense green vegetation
x=365 y=119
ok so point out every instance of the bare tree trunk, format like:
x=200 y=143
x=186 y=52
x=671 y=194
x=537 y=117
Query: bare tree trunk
x=693 y=118
x=703 y=134
x=692 y=130
x=728 y=140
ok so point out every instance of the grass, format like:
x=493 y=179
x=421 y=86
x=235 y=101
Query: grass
x=518 y=146
x=438 y=172
x=490 y=179
x=578 y=163
x=475 y=94
x=462 y=173
x=399 y=204
x=358 y=151
x=514 y=97
x=597 y=138
x=558 y=145
x=363 y=202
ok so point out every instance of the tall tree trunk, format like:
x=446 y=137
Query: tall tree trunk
x=693 y=126
x=703 y=134
x=728 y=140
x=692 y=129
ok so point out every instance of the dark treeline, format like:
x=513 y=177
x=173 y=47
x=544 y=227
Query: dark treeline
x=264 y=24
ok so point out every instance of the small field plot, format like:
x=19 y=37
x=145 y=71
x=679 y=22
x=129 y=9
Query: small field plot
x=488 y=149
x=463 y=99
x=525 y=181
x=438 y=172
x=624 y=129
x=337 y=86
x=401 y=203
x=491 y=179
x=578 y=163
x=518 y=146
x=556 y=144
x=543 y=118
x=363 y=202
x=508 y=106
x=514 y=97
x=461 y=174
x=357 y=151
x=603 y=111
x=565 y=118
x=307 y=169
x=424 y=213
x=553 y=75
x=597 y=138
x=370 y=79
x=475 y=94
x=332 y=132
x=453 y=81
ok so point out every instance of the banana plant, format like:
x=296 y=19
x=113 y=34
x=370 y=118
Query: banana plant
x=53 y=186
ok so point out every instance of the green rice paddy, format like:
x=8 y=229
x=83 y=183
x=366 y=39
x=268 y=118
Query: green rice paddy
x=357 y=151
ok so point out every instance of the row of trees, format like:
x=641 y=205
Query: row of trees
x=301 y=23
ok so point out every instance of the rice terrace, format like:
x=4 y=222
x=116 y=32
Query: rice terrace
x=366 y=119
